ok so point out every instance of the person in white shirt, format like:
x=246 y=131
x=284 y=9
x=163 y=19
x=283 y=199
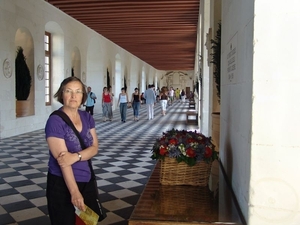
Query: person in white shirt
x=150 y=101
x=122 y=102
x=171 y=95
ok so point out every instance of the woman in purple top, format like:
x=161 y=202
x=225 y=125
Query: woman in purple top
x=69 y=181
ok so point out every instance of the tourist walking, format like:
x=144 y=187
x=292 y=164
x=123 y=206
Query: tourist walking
x=177 y=94
x=171 y=95
x=150 y=101
x=106 y=105
x=136 y=103
x=122 y=102
x=164 y=100
x=182 y=94
x=142 y=98
x=90 y=101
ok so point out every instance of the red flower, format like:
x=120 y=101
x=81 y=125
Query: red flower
x=190 y=152
x=173 y=141
x=208 y=152
x=163 y=150
x=201 y=141
x=184 y=145
x=190 y=140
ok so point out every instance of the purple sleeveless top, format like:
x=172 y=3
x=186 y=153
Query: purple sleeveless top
x=56 y=127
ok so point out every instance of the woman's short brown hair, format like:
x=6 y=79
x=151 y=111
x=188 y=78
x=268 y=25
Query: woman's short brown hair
x=164 y=89
x=59 y=94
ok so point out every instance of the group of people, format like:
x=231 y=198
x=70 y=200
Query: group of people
x=167 y=97
x=151 y=96
x=107 y=103
x=180 y=95
x=69 y=179
x=164 y=95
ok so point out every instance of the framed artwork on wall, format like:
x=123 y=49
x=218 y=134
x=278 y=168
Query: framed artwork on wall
x=40 y=72
x=7 y=70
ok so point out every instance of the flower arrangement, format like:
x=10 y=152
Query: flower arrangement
x=187 y=146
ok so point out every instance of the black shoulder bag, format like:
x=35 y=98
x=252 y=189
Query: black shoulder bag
x=67 y=120
x=92 y=98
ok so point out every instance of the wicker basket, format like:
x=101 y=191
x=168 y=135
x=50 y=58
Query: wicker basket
x=174 y=173
x=182 y=201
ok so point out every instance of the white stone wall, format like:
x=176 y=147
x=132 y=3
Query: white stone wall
x=259 y=143
x=76 y=46
x=236 y=97
x=205 y=94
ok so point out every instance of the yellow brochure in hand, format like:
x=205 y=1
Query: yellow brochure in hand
x=89 y=217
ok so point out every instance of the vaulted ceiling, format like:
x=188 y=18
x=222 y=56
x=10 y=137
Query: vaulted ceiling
x=163 y=33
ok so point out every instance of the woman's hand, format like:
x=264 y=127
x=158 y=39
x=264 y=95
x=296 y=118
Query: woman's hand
x=67 y=159
x=78 y=201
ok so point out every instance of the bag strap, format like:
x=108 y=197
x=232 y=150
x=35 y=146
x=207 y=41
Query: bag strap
x=69 y=122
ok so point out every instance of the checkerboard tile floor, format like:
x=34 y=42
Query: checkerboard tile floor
x=122 y=166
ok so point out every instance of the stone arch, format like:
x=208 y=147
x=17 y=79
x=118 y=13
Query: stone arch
x=23 y=38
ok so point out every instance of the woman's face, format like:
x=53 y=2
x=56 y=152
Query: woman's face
x=72 y=94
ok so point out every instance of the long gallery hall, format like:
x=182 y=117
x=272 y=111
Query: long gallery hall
x=123 y=166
